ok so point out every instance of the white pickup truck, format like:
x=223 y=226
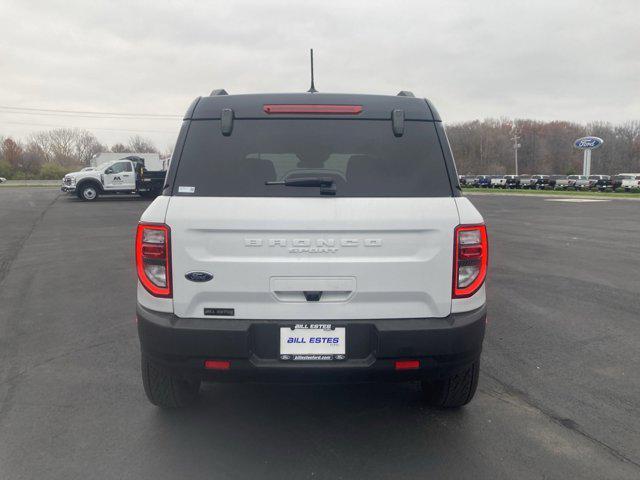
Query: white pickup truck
x=127 y=175
x=578 y=182
x=630 y=181
x=498 y=181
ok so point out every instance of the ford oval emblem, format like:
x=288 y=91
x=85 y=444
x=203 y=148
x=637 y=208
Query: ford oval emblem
x=199 y=276
x=588 y=143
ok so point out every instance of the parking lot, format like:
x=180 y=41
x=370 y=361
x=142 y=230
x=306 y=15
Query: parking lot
x=558 y=394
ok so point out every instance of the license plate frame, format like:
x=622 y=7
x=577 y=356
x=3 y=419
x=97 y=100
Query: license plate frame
x=313 y=342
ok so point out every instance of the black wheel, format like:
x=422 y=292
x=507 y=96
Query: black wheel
x=89 y=192
x=166 y=390
x=455 y=391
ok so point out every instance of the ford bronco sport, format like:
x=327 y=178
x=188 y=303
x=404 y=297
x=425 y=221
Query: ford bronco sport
x=308 y=238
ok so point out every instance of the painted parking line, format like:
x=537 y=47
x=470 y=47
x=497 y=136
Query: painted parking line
x=577 y=200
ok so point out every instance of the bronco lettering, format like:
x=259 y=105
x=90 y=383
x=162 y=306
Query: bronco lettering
x=308 y=245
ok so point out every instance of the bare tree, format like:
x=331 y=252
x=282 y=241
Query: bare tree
x=119 y=148
x=41 y=140
x=545 y=147
x=33 y=158
x=87 y=145
x=65 y=146
x=62 y=146
x=138 y=144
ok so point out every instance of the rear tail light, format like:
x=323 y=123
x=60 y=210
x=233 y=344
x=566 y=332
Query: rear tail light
x=153 y=258
x=471 y=254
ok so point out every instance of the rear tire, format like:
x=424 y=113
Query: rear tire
x=454 y=391
x=166 y=390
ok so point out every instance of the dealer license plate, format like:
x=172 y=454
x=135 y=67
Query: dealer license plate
x=312 y=342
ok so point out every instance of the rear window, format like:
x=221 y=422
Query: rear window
x=362 y=157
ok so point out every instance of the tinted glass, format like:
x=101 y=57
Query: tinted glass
x=363 y=158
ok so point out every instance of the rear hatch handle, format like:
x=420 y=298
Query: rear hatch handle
x=312 y=296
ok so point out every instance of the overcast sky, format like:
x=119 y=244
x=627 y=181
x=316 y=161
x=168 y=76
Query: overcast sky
x=548 y=60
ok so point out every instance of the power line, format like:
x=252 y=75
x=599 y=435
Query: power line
x=82 y=115
x=85 y=128
x=88 y=112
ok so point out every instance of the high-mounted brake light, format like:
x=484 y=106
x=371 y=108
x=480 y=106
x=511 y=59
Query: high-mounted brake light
x=471 y=255
x=314 y=109
x=153 y=258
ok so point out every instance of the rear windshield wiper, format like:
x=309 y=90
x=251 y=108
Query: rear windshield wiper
x=326 y=184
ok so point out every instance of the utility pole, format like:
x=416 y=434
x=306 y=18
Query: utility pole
x=516 y=146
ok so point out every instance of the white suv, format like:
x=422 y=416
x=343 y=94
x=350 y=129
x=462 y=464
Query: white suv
x=311 y=237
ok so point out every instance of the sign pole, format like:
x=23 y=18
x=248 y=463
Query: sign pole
x=586 y=144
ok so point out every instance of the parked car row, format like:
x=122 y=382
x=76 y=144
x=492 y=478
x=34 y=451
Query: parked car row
x=622 y=181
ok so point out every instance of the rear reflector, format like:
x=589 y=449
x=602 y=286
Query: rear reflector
x=407 y=364
x=153 y=251
x=217 y=364
x=314 y=109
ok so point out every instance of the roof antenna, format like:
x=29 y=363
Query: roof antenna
x=313 y=88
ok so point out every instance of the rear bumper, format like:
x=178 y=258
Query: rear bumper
x=443 y=346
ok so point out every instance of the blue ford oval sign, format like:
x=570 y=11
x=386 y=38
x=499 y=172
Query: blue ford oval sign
x=199 y=276
x=588 y=143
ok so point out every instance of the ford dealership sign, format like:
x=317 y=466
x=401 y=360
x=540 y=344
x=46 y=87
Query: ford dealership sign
x=588 y=143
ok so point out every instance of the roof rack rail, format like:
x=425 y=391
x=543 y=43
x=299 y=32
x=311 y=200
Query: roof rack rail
x=218 y=91
x=405 y=93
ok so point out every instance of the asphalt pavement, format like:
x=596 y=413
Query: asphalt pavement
x=559 y=392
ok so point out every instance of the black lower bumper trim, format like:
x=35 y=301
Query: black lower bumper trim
x=442 y=346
